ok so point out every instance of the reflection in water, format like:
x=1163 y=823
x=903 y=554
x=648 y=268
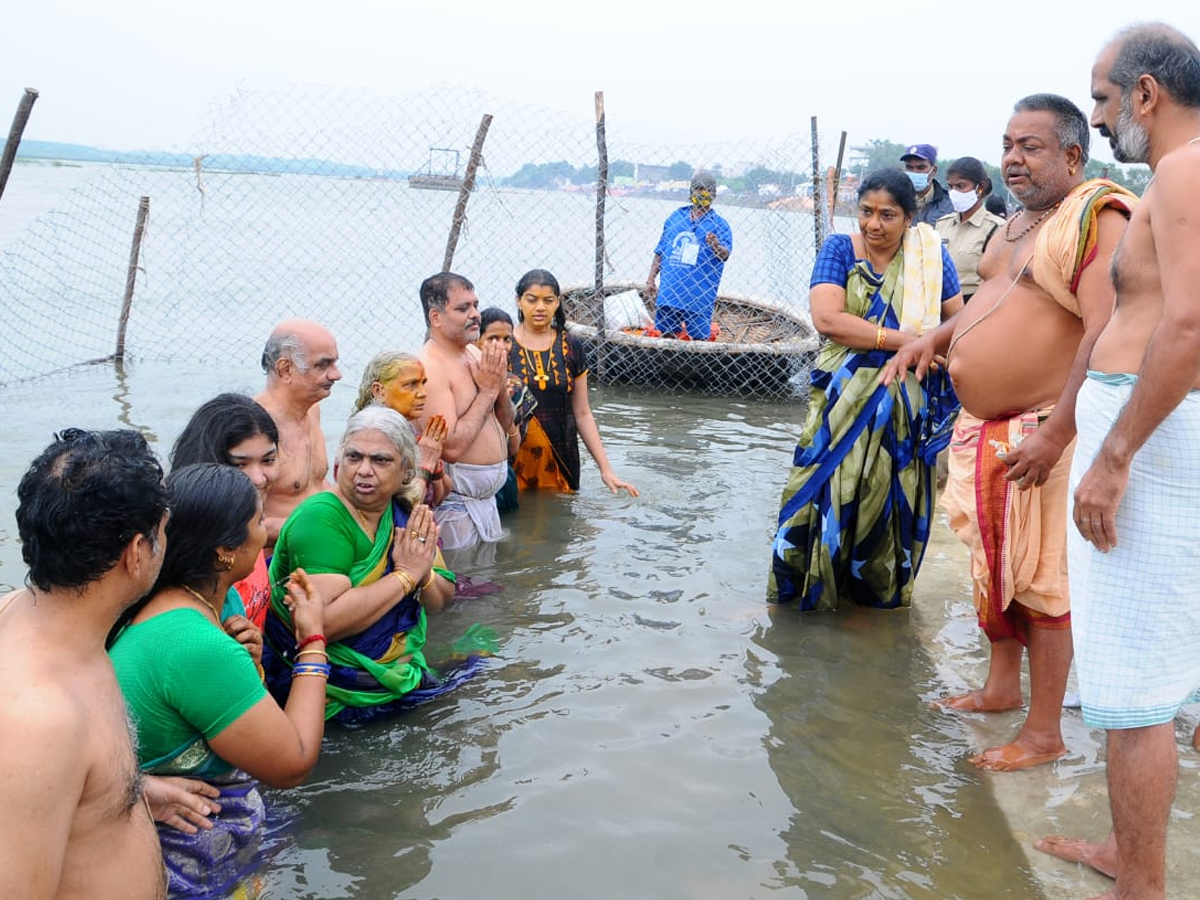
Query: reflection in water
x=124 y=406
x=648 y=728
x=885 y=805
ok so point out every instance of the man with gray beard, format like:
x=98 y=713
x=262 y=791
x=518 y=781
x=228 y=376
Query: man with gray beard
x=1134 y=555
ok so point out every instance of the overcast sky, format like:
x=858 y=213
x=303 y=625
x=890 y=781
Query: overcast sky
x=140 y=74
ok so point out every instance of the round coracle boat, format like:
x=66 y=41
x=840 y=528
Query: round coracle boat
x=759 y=347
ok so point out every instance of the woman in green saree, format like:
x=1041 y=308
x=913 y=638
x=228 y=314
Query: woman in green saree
x=194 y=692
x=855 y=513
x=371 y=550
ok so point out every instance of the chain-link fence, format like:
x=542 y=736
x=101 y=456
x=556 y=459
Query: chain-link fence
x=335 y=205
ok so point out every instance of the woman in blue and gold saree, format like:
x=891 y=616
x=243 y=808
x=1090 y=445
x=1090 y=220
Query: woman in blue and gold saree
x=855 y=514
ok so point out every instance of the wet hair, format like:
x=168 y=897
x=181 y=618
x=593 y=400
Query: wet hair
x=971 y=169
x=493 y=314
x=704 y=181
x=210 y=506
x=542 y=278
x=435 y=291
x=1070 y=125
x=897 y=184
x=383 y=367
x=284 y=345
x=996 y=206
x=1165 y=55
x=82 y=501
x=399 y=433
x=218 y=426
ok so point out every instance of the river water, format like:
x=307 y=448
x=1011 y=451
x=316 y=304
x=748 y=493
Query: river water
x=649 y=728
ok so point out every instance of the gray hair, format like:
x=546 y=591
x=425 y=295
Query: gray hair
x=399 y=433
x=284 y=345
x=1164 y=54
x=1070 y=124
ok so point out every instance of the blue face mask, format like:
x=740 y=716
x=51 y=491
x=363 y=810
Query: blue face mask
x=920 y=180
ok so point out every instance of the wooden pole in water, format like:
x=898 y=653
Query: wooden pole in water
x=131 y=275
x=468 y=185
x=818 y=225
x=14 y=136
x=837 y=177
x=601 y=190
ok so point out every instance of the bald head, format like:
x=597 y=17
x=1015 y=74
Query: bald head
x=292 y=340
x=1160 y=51
x=300 y=360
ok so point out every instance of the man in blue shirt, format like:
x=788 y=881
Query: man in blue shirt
x=690 y=256
x=933 y=201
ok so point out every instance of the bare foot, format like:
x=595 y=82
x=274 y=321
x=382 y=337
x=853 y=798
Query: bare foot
x=1102 y=857
x=1013 y=757
x=978 y=701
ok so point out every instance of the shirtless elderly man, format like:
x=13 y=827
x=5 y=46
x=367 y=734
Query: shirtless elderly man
x=467 y=387
x=1135 y=548
x=1017 y=356
x=90 y=515
x=300 y=360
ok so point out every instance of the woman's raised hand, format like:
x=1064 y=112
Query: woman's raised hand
x=430 y=443
x=247 y=634
x=308 y=610
x=416 y=544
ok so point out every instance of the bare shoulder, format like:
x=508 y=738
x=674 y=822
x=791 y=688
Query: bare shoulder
x=1176 y=180
x=1111 y=221
x=44 y=721
x=434 y=360
x=266 y=400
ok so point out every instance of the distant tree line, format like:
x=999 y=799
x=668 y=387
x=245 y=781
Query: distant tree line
x=555 y=174
x=875 y=154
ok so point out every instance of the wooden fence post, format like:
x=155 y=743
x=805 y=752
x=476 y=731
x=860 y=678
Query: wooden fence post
x=464 y=192
x=14 y=136
x=131 y=275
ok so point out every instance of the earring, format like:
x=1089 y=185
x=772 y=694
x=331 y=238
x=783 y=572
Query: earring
x=1070 y=170
x=225 y=562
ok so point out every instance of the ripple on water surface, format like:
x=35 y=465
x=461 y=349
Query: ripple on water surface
x=649 y=729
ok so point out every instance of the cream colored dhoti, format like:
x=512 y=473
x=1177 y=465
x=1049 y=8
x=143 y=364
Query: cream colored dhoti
x=1017 y=538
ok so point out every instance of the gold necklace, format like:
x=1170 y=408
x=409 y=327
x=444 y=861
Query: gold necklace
x=362 y=517
x=541 y=377
x=1034 y=224
x=202 y=599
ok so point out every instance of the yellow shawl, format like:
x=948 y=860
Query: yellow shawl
x=1067 y=242
x=921 y=307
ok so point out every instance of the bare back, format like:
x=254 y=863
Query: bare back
x=75 y=822
x=451 y=391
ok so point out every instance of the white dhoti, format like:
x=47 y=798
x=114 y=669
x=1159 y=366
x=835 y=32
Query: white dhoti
x=1136 y=609
x=468 y=515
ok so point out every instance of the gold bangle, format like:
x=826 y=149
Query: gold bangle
x=406 y=580
x=429 y=580
x=880 y=338
x=312 y=653
x=310 y=675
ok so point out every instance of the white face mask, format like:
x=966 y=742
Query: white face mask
x=963 y=200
